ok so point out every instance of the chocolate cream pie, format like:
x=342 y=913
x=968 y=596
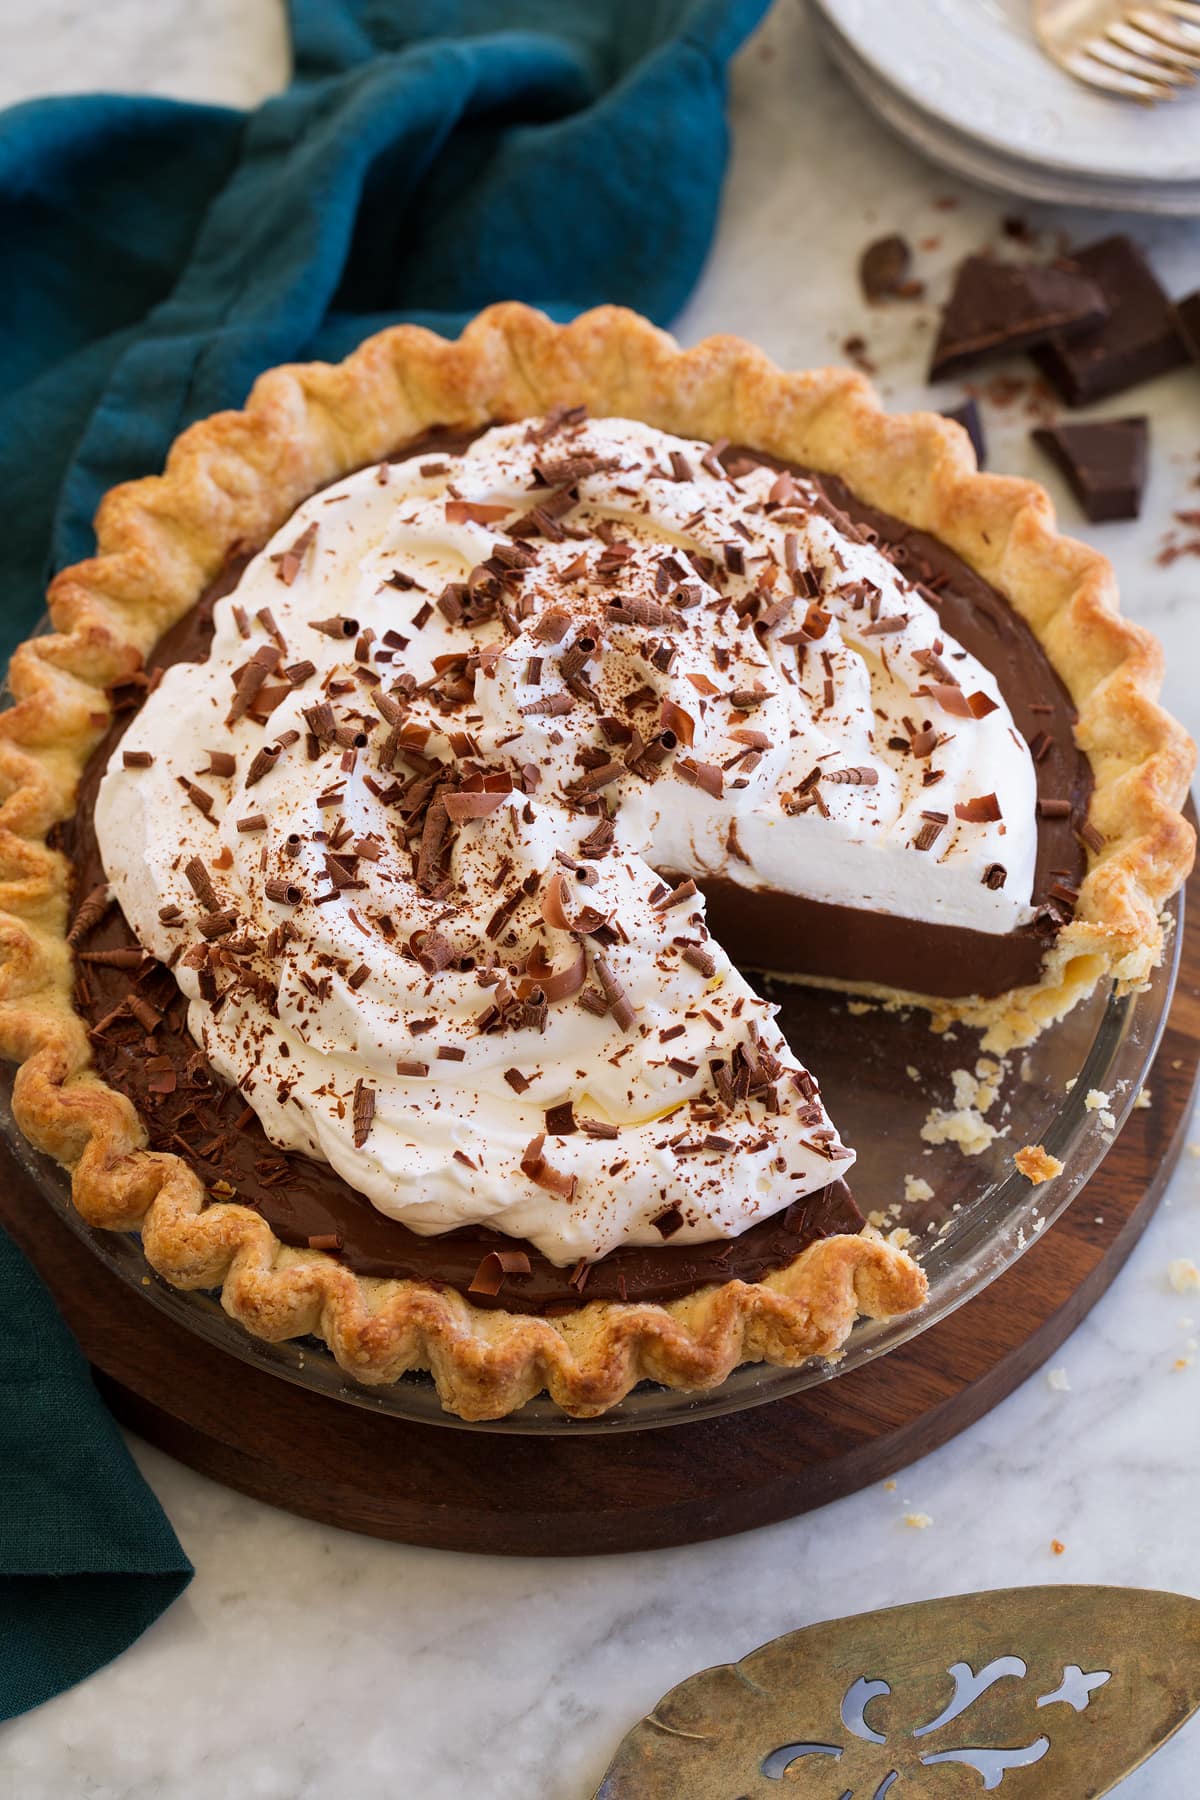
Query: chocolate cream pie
x=417 y=762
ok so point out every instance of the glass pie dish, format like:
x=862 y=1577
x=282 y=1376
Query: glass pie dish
x=883 y=1074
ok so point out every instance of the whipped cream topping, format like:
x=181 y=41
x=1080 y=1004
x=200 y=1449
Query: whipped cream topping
x=399 y=836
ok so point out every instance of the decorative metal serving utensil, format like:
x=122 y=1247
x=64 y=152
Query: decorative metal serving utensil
x=1042 y=1693
x=1144 y=51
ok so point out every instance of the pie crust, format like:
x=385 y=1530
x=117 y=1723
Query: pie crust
x=239 y=476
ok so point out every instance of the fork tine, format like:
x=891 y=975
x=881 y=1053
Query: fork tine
x=1163 y=29
x=1113 y=81
x=1166 y=30
x=1131 y=64
x=1187 y=10
x=1130 y=37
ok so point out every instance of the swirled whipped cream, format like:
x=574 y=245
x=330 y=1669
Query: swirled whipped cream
x=400 y=836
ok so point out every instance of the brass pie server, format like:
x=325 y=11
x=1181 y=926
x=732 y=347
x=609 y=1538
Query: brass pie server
x=1041 y=1693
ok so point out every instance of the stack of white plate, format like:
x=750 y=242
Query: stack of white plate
x=965 y=82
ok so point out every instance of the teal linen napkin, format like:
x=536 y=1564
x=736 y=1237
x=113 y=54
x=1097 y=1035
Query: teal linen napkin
x=87 y=1558
x=428 y=157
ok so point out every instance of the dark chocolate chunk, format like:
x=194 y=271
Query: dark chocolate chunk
x=1138 y=340
x=999 y=307
x=1187 y=322
x=966 y=414
x=883 y=268
x=1104 y=462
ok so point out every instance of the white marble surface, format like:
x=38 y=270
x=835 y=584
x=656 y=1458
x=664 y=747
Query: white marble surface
x=305 y=1664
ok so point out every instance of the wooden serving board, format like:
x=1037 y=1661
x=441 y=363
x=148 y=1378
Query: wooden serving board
x=548 y=1496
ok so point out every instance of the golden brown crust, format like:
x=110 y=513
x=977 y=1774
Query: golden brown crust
x=1036 y=1164
x=239 y=475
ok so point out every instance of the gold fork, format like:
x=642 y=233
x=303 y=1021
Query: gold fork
x=1139 y=51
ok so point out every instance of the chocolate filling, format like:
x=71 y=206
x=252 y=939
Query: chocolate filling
x=188 y=1110
x=853 y=944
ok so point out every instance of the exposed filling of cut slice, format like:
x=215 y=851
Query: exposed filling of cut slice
x=397 y=816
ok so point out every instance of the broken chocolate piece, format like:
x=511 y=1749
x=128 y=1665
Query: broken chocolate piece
x=883 y=270
x=1138 y=339
x=966 y=414
x=996 y=308
x=1187 y=322
x=1104 y=462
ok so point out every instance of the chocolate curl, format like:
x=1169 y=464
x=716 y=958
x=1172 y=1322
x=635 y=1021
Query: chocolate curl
x=289 y=563
x=432 y=950
x=554 y=706
x=337 y=626
x=575 y=660
x=114 y=959
x=363 y=1112
x=200 y=882
x=249 y=683
x=220 y=762
x=216 y=925
x=634 y=609
x=93 y=907
x=554 y=909
x=433 y=836
x=855 y=777
x=386 y=705
x=263 y=762
x=677 y=719
x=147 y=1016
x=883 y=627
x=618 y=1000
x=284 y=892
x=534 y=1164
x=489 y=1277
x=699 y=958
x=553 y=984
x=470 y=805
x=677 y=896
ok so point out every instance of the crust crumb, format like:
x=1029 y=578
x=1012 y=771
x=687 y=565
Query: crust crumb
x=1036 y=1164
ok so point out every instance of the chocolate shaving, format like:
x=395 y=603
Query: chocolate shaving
x=363 y=1112
x=699 y=958
x=137 y=759
x=114 y=959
x=856 y=777
x=200 y=882
x=468 y=804
x=263 y=761
x=929 y=833
x=494 y=1268
x=686 y=890
x=92 y=909
x=618 y=1000
x=286 y=893
x=289 y=562
x=337 y=626
x=984 y=809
